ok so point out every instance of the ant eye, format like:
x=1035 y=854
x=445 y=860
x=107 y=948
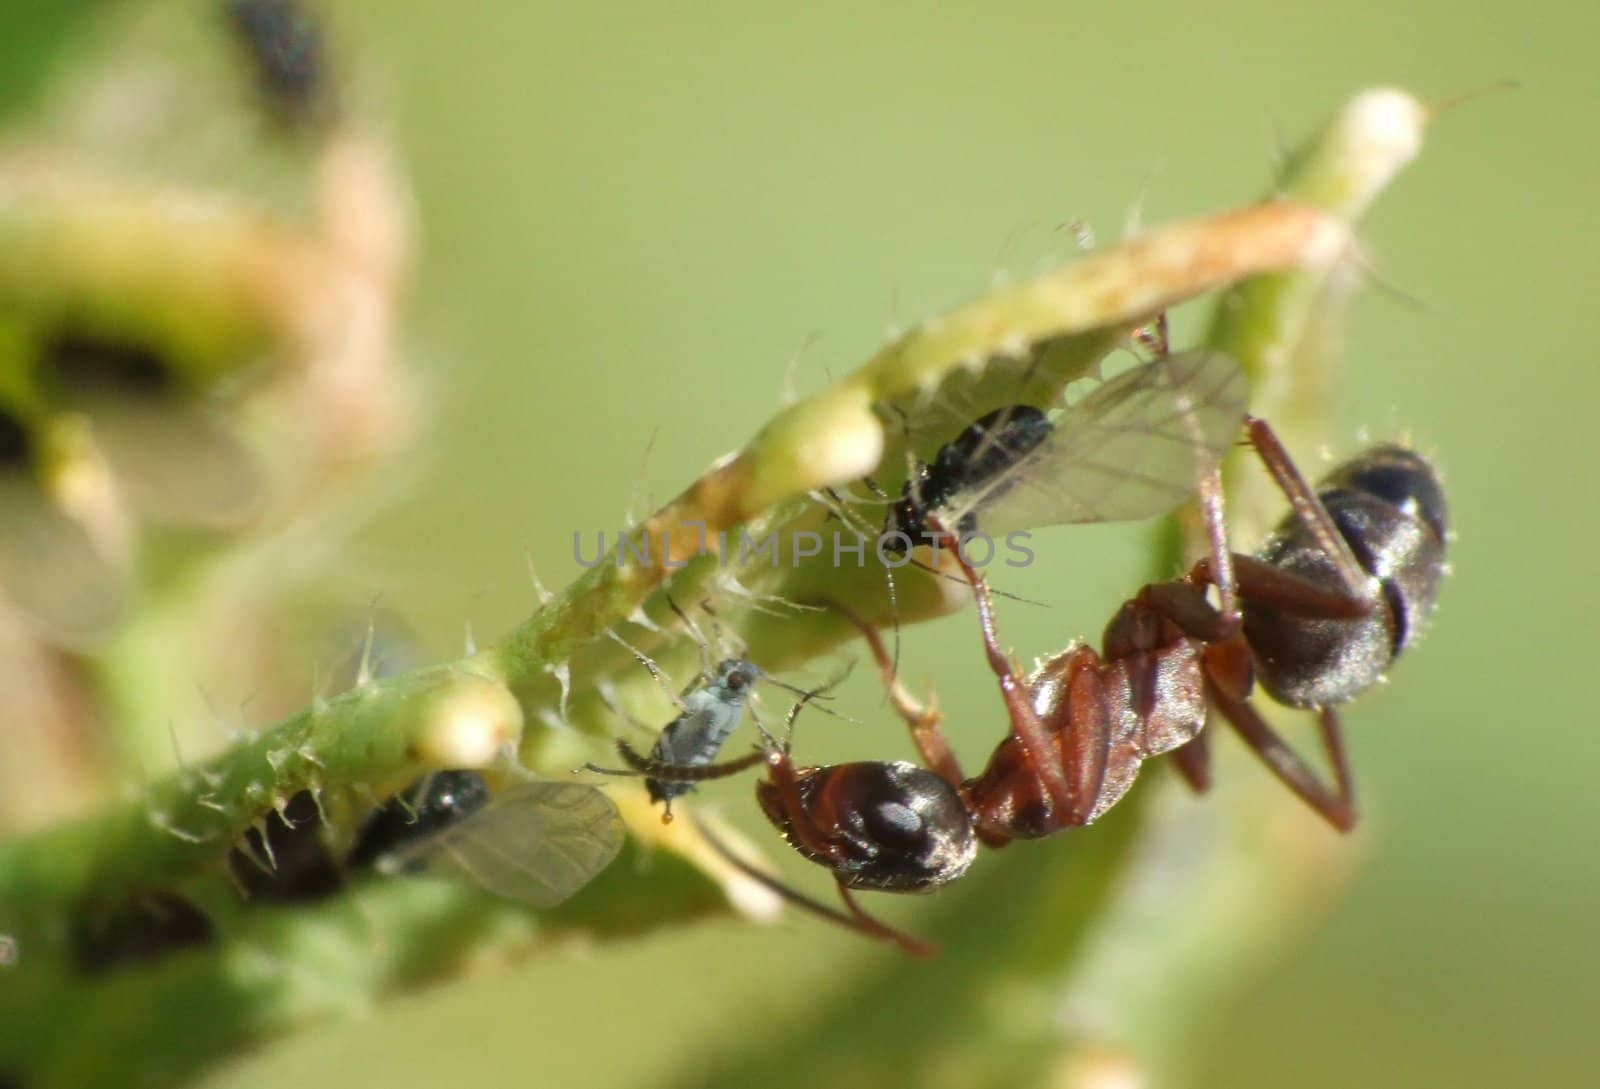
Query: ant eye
x=738 y=680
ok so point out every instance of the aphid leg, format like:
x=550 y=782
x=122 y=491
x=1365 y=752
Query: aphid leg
x=1310 y=511
x=857 y=920
x=1153 y=337
x=1336 y=804
x=1024 y=723
x=923 y=721
x=608 y=697
x=1213 y=514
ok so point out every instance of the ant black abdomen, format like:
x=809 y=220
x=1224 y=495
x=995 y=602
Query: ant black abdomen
x=1388 y=504
x=888 y=826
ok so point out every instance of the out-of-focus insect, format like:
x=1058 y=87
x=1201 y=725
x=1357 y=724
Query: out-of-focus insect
x=537 y=841
x=51 y=569
x=145 y=928
x=284 y=45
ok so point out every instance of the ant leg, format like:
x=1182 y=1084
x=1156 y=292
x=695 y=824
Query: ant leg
x=1260 y=581
x=1194 y=762
x=1337 y=805
x=858 y=920
x=1024 y=723
x=923 y=722
x=881 y=930
x=1256 y=580
x=1309 y=510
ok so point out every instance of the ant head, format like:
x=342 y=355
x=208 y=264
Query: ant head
x=889 y=826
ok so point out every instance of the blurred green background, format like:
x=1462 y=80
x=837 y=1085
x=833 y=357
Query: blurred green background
x=634 y=217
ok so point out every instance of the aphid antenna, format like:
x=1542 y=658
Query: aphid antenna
x=707 y=665
x=819 y=694
x=1471 y=94
x=773 y=605
x=649 y=663
x=1368 y=270
x=948 y=577
x=629 y=515
x=768 y=604
x=1082 y=232
x=875 y=496
x=1133 y=222
x=856 y=920
x=177 y=750
x=849 y=518
x=1008 y=244
x=788 y=394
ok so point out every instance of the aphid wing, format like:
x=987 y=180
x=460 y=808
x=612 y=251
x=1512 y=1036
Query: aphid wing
x=537 y=842
x=177 y=463
x=1134 y=448
x=51 y=569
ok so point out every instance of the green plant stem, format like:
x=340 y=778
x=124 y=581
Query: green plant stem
x=374 y=739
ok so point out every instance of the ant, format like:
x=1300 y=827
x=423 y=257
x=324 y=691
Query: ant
x=1319 y=612
x=884 y=826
